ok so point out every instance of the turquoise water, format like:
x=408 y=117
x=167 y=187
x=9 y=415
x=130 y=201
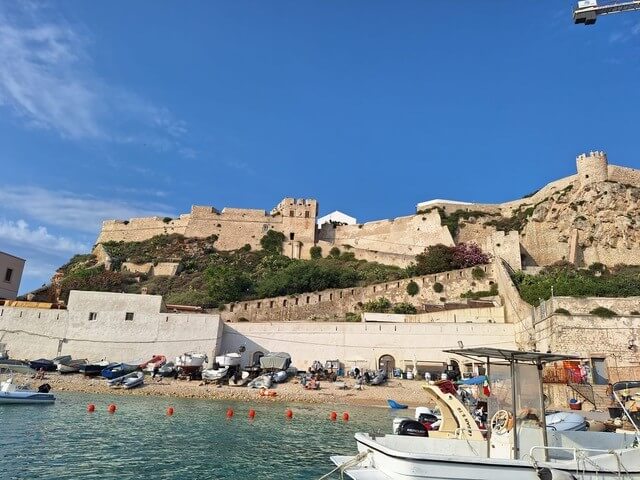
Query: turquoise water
x=140 y=441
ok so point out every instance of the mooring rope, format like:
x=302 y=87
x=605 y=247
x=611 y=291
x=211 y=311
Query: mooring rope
x=349 y=463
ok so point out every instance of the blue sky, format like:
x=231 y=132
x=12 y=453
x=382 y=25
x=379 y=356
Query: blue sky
x=120 y=109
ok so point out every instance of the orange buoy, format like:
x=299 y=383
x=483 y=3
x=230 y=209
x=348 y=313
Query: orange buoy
x=288 y=413
x=91 y=407
x=333 y=416
x=112 y=408
x=229 y=412
x=252 y=413
x=345 y=416
x=170 y=411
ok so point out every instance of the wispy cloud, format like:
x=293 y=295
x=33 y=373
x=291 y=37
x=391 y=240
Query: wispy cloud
x=19 y=233
x=48 y=80
x=82 y=213
x=621 y=36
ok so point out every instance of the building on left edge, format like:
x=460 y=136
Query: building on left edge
x=11 y=268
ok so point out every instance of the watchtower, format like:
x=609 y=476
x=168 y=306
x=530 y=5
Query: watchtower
x=592 y=168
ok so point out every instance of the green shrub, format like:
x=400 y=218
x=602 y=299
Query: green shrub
x=492 y=292
x=190 y=297
x=405 y=308
x=245 y=248
x=603 y=312
x=353 y=317
x=334 y=252
x=412 y=288
x=272 y=241
x=167 y=219
x=438 y=287
x=478 y=273
x=348 y=256
x=562 y=311
x=315 y=252
x=380 y=305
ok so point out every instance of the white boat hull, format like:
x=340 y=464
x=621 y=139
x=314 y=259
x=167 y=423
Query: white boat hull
x=28 y=398
x=382 y=463
x=229 y=360
x=190 y=360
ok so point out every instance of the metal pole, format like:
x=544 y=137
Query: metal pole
x=513 y=400
x=543 y=420
x=487 y=372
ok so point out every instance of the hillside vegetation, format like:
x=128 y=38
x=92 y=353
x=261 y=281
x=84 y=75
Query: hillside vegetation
x=210 y=278
x=566 y=280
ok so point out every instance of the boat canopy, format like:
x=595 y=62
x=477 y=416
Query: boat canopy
x=535 y=358
x=275 y=360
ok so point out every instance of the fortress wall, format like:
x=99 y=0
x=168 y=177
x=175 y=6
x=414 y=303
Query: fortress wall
x=625 y=175
x=404 y=235
x=387 y=258
x=336 y=303
x=363 y=343
x=611 y=256
x=542 y=244
x=543 y=193
x=34 y=333
x=475 y=232
x=505 y=246
x=139 y=229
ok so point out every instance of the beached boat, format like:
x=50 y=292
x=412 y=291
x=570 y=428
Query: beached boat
x=44 y=364
x=239 y=379
x=21 y=394
x=155 y=361
x=94 y=369
x=264 y=381
x=275 y=361
x=61 y=359
x=215 y=374
x=380 y=378
x=167 y=370
x=229 y=360
x=279 y=376
x=133 y=380
x=16 y=366
x=191 y=360
x=72 y=366
x=566 y=422
x=395 y=405
x=517 y=443
x=118 y=370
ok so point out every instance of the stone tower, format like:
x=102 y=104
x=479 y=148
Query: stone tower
x=592 y=168
x=298 y=225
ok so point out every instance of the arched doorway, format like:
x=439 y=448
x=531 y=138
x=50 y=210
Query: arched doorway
x=255 y=358
x=387 y=363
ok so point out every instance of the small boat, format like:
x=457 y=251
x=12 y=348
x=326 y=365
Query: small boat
x=380 y=378
x=20 y=394
x=396 y=406
x=156 y=362
x=72 y=366
x=229 y=360
x=566 y=422
x=94 y=369
x=239 y=379
x=133 y=380
x=279 y=376
x=215 y=374
x=61 y=359
x=191 y=360
x=118 y=370
x=263 y=381
x=16 y=366
x=167 y=370
x=44 y=364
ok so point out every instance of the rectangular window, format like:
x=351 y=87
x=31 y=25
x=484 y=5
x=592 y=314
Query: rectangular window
x=128 y=316
x=291 y=213
x=8 y=274
x=93 y=315
x=306 y=214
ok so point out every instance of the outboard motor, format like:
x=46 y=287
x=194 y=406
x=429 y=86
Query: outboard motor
x=553 y=474
x=44 y=388
x=412 y=428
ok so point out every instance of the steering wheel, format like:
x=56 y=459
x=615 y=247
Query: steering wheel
x=501 y=422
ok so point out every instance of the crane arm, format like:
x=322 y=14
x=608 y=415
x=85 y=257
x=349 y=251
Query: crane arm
x=587 y=11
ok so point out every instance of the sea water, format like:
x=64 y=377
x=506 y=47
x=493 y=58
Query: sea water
x=140 y=441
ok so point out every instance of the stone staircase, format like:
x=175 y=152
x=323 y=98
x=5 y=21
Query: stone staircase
x=594 y=394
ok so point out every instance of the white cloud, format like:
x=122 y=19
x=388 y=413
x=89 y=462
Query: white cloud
x=19 y=233
x=621 y=36
x=82 y=213
x=47 y=79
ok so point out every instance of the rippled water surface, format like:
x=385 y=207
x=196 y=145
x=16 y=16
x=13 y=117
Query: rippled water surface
x=198 y=442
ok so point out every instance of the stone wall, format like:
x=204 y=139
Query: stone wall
x=35 y=333
x=336 y=303
x=363 y=344
x=583 y=306
x=234 y=227
x=625 y=175
x=463 y=315
x=505 y=246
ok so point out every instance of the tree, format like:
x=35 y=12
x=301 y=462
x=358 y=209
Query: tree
x=334 y=252
x=412 y=288
x=272 y=241
x=435 y=259
x=225 y=284
x=315 y=252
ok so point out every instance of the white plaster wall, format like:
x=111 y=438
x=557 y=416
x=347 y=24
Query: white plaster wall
x=472 y=315
x=9 y=290
x=34 y=333
x=81 y=301
x=309 y=341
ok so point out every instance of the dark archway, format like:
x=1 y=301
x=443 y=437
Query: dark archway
x=387 y=363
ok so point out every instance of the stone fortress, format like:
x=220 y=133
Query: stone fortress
x=584 y=218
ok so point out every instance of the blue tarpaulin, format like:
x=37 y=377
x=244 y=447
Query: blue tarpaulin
x=479 y=380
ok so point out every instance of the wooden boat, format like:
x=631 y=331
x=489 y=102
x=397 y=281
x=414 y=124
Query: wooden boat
x=395 y=405
x=71 y=366
x=94 y=369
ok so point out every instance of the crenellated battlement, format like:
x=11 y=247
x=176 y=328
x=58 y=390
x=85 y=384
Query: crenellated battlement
x=592 y=168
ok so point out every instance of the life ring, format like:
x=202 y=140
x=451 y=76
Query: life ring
x=501 y=422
